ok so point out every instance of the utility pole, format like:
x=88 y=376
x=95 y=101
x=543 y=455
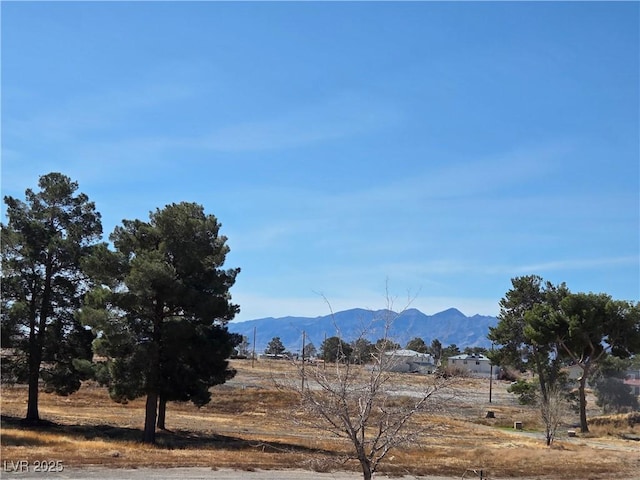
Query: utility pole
x=324 y=353
x=303 y=338
x=491 y=376
x=490 y=383
x=253 y=354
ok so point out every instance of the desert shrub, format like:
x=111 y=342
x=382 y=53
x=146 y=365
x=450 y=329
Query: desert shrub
x=448 y=372
x=618 y=421
x=321 y=465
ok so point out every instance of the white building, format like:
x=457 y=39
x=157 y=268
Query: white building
x=475 y=364
x=409 y=361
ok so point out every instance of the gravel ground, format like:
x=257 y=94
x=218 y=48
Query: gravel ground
x=196 y=474
x=93 y=473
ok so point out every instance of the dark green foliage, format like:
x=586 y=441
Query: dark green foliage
x=526 y=391
x=417 y=345
x=386 y=345
x=362 y=351
x=614 y=396
x=542 y=327
x=161 y=314
x=475 y=351
x=275 y=347
x=435 y=349
x=588 y=328
x=516 y=348
x=44 y=243
x=449 y=351
x=528 y=305
x=334 y=349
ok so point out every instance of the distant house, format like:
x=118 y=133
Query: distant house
x=410 y=361
x=475 y=364
x=273 y=356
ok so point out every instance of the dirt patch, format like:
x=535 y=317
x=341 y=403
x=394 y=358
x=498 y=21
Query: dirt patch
x=252 y=425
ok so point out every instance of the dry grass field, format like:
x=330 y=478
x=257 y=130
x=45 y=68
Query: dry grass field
x=250 y=424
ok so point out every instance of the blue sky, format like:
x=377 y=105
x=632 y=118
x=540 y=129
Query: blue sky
x=439 y=148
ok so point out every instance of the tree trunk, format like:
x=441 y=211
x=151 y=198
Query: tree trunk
x=548 y=436
x=584 y=428
x=35 y=345
x=365 y=463
x=153 y=381
x=162 y=412
x=34 y=376
x=366 y=469
x=150 y=418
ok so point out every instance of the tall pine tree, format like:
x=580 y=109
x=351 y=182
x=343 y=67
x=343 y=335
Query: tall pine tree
x=44 y=243
x=161 y=320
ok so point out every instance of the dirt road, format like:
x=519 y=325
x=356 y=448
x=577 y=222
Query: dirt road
x=200 y=473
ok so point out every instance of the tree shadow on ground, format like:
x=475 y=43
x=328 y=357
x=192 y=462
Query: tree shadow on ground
x=178 y=439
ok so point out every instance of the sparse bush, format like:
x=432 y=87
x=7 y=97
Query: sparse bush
x=449 y=372
x=618 y=421
x=321 y=465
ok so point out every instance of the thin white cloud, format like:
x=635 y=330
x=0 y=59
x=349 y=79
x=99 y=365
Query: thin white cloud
x=338 y=117
x=267 y=236
x=453 y=266
x=104 y=110
x=581 y=264
x=470 y=177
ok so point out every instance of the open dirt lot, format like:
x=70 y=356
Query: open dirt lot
x=251 y=430
x=199 y=473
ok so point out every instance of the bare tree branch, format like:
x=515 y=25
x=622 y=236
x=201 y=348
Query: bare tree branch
x=360 y=402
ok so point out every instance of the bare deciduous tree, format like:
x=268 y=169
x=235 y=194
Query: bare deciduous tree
x=362 y=404
x=553 y=407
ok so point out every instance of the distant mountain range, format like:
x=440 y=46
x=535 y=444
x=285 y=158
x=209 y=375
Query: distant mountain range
x=450 y=327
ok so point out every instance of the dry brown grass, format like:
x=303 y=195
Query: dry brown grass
x=250 y=424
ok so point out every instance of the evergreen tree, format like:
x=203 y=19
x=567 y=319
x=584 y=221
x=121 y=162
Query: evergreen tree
x=588 y=327
x=449 y=351
x=161 y=321
x=386 y=345
x=542 y=327
x=43 y=247
x=475 y=351
x=310 y=350
x=609 y=396
x=361 y=350
x=417 y=345
x=531 y=302
x=194 y=357
x=436 y=349
x=334 y=349
x=275 y=347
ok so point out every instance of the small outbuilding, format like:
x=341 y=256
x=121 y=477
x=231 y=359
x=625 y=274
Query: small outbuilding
x=475 y=364
x=410 y=361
